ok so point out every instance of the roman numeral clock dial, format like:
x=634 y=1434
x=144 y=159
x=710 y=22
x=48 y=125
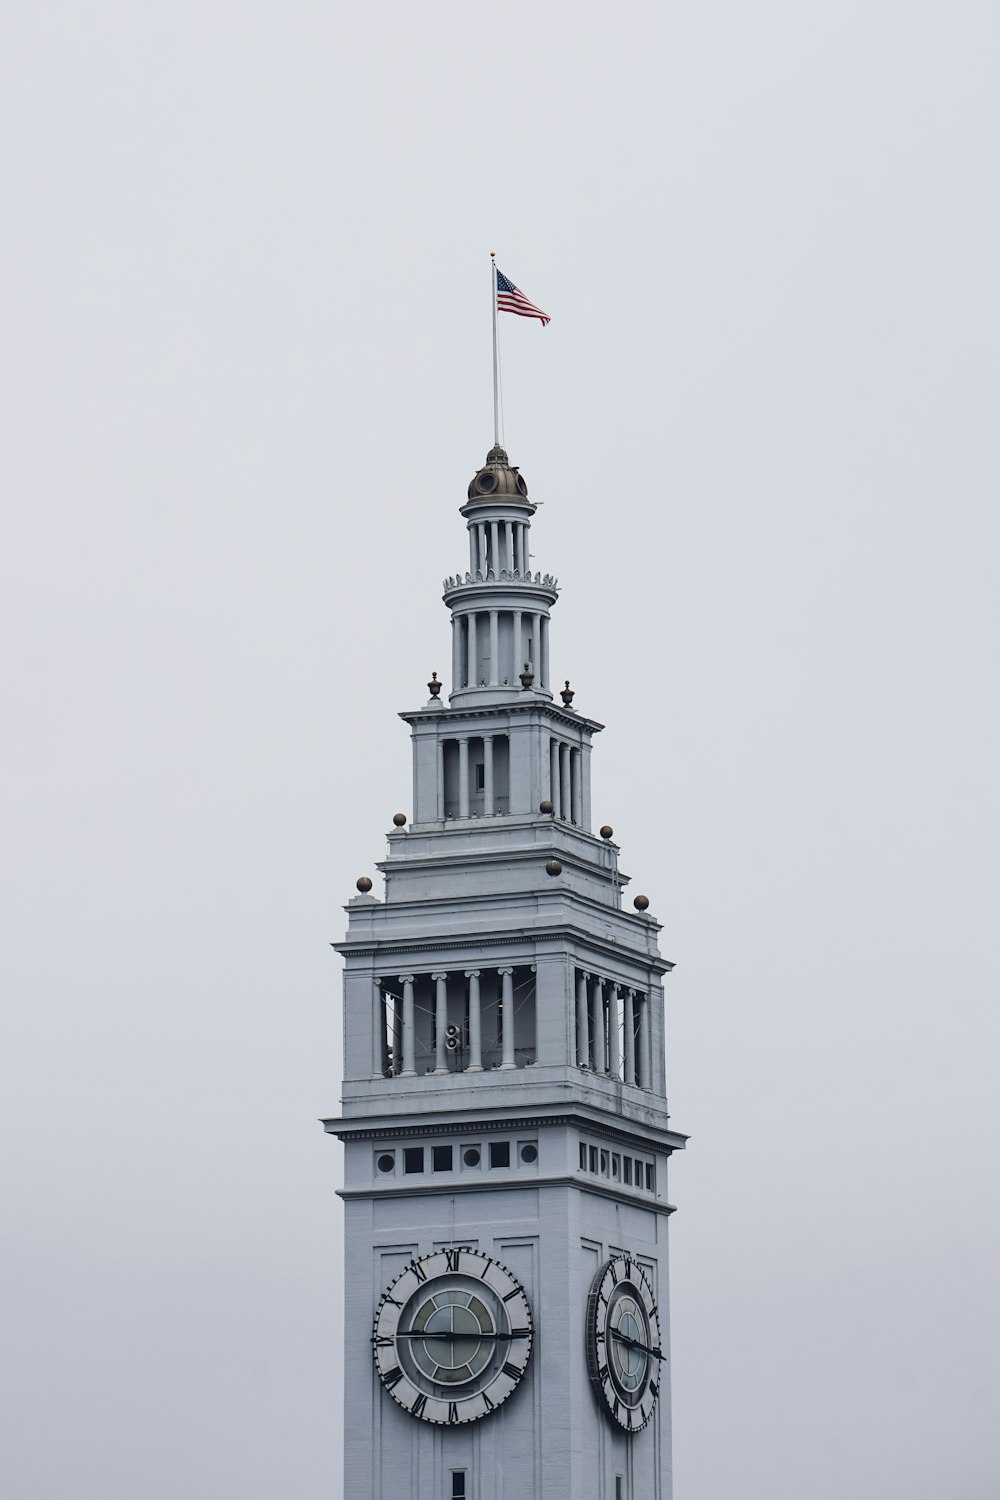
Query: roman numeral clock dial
x=452 y=1336
x=623 y=1342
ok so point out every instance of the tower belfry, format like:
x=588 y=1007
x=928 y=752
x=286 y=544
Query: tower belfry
x=504 y=1099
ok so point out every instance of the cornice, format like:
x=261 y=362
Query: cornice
x=467 y=1122
x=440 y=711
x=372 y=948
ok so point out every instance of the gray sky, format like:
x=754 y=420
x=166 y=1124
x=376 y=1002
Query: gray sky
x=245 y=382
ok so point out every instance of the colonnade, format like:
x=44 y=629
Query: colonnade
x=605 y=1013
x=493 y=788
x=566 y=780
x=404 y=1029
x=496 y=546
x=528 y=632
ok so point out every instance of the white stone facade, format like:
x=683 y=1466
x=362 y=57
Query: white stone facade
x=504 y=1080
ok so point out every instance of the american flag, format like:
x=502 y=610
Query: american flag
x=509 y=299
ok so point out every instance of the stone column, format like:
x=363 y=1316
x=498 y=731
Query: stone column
x=565 y=783
x=576 y=766
x=494 y=648
x=472 y=550
x=536 y=658
x=614 y=1050
x=518 y=658
x=582 y=1021
x=600 y=1050
x=440 y=778
x=482 y=548
x=495 y=539
x=507 y=1001
x=378 y=1030
x=463 y=776
x=408 y=1071
x=488 y=807
x=645 y=1080
x=510 y=546
x=475 y=1029
x=440 y=1022
x=554 y=775
x=544 y=652
x=456 y=653
x=472 y=663
x=629 y=1036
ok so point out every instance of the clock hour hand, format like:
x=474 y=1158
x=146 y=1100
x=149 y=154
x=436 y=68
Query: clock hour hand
x=623 y=1338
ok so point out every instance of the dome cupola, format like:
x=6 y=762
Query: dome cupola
x=498 y=480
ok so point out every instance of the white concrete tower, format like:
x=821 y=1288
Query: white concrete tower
x=504 y=1100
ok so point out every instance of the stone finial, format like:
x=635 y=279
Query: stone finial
x=527 y=677
x=567 y=694
x=607 y=831
x=434 y=685
x=363 y=884
x=553 y=867
x=546 y=806
x=641 y=903
x=399 y=819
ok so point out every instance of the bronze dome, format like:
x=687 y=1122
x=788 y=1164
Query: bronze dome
x=497 y=480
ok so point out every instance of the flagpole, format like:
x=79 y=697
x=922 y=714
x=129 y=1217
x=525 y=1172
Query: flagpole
x=493 y=299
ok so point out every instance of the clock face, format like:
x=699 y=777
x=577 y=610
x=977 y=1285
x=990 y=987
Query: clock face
x=623 y=1342
x=452 y=1336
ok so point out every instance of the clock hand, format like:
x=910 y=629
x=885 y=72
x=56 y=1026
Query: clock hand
x=623 y=1338
x=453 y=1336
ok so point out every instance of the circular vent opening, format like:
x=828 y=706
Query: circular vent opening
x=487 y=482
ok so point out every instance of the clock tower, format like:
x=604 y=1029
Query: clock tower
x=504 y=1101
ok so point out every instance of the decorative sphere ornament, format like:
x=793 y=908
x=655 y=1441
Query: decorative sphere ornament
x=399 y=819
x=363 y=884
x=546 y=806
x=640 y=903
x=607 y=831
x=553 y=867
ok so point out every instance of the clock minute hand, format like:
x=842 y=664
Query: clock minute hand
x=623 y=1338
x=453 y=1336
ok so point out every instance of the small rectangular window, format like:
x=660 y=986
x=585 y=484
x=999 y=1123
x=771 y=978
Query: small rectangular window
x=458 y=1490
x=480 y=778
x=650 y=1177
x=638 y=1173
x=442 y=1158
x=627 y=1164
x=583 y=1157
x=413 y=1159
x=618 y=1487
x=499 y=1153
x=593 y=1158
